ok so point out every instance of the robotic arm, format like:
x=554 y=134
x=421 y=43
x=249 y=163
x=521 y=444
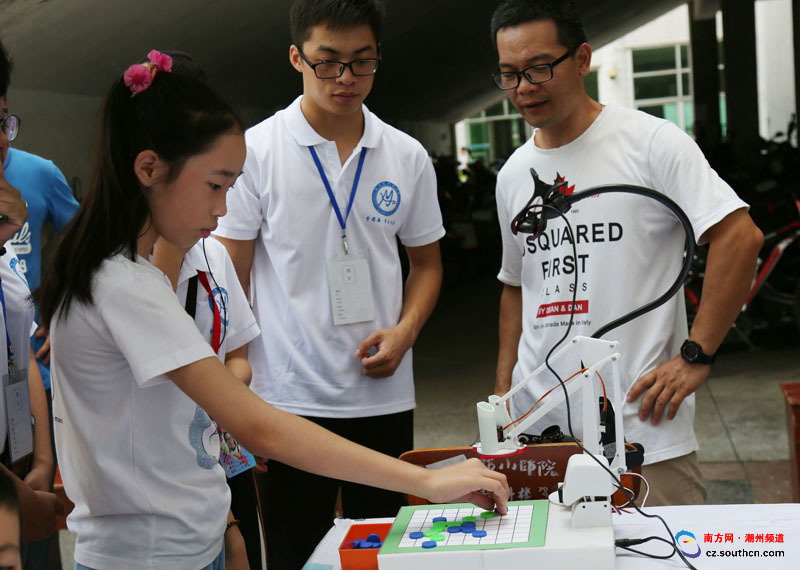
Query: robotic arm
x=587 y=485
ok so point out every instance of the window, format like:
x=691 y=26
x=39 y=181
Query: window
x=495 y=132
x=662 y=83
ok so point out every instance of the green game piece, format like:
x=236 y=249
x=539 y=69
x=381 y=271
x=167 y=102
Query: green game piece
x=487 y=515
x=469 y=519
x=430 y=533
x=438 y=537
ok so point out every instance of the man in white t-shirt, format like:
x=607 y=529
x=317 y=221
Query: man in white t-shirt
x=327 y=190
x=629 y=248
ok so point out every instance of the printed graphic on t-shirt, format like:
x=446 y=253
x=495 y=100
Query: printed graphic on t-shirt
x=18 y=267
x=557 y=263
x=564 y=189
x=204 y=439
x=22 y=240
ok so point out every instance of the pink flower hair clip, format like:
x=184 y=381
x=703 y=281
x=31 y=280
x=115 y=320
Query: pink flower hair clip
x=139 y=76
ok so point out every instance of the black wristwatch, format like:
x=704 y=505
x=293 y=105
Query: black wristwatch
x=693 y=353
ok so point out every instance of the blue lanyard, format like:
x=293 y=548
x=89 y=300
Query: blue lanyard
x=5 y=322
x=342 y=221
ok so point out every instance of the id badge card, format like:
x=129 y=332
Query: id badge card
x=18 y=412
x=233 y=457
x=351 y=289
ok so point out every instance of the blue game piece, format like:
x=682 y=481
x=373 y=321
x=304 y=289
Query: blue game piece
x=429 y=544
x=371 y=544
x=478 y=533
x=357 y=543
x=468 y=524
x=453 y=529
x=416 y=535
x=439 y=519
x=373 y=538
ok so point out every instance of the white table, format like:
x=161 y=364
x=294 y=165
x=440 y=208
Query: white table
x=737 y=521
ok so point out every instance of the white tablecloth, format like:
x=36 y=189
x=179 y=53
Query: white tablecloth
x=730 y=537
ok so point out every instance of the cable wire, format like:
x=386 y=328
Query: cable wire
x=690 y=246
x=221 y=296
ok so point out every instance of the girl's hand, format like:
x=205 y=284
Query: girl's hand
x=13 y=209
x=469 y=481
x=38 y=478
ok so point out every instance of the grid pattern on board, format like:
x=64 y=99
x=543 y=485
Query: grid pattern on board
x=513 y=528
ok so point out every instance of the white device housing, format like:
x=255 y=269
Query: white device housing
x=587 y=485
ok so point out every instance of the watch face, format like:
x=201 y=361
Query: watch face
x=691 y=350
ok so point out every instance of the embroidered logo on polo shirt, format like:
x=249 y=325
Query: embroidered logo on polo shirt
x=386 y=198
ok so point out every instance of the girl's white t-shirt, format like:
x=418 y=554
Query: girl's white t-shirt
x=19 y=316
x=629 y=251
x=137 y=456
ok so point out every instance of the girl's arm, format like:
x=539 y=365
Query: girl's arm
x=236 y=362
x=40 y=477
x=270 y=432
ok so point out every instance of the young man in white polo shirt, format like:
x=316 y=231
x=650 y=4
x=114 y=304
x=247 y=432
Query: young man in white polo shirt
x=327 y=190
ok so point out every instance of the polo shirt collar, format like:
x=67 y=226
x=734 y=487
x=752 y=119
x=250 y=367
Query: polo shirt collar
x=305 y=135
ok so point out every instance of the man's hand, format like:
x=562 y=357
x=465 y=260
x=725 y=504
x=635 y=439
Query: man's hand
x=12 y=207
x=390 y=345
x=43 y=354
x=669 y=384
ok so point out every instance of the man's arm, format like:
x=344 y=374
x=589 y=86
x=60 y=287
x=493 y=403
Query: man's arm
x=241 y=253
x=422 y=290
x=510 y=331
x=734 y=243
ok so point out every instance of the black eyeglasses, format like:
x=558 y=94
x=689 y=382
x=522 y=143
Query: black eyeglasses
x=535 y=74
x=334 y=69
x=10 y=126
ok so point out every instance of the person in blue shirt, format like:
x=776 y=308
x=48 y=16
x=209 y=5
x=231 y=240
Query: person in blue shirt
x=49 y=199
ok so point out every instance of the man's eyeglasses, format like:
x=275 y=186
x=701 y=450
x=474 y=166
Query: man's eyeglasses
x=535 y=74
x=334 y=69
x=10 y=126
